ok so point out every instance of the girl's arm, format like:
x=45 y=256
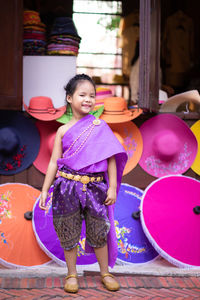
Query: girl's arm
x=112 y=177
x=52 y=169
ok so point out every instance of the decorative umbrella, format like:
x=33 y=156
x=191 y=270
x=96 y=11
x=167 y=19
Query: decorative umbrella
x=18 y=245
x=170 y=209
x=133 y=245
x=47 y=237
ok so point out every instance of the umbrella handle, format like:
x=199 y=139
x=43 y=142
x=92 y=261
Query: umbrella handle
x=28 y=215
x=136 y=215
x=196 y=210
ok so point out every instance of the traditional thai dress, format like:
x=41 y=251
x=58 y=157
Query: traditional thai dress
x=87 y=145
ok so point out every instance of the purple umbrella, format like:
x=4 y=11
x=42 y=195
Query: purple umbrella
x=133 y=245
x=47 y=238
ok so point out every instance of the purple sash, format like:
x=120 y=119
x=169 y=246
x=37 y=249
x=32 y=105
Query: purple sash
x=86 y=148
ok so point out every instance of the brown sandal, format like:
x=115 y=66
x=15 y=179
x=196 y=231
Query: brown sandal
x=69 y=287
x=111 y=286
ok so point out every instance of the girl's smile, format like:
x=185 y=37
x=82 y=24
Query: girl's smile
x=83 y=99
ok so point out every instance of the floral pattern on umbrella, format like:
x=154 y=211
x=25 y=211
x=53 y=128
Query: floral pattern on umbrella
x=133 y=246
x=5 y=211
x=18 y=245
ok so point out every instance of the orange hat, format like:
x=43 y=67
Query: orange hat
x=128 y=134
x=116 y=111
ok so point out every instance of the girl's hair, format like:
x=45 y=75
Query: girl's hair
x=74 y=81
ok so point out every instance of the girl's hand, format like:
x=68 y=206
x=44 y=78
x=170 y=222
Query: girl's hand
x=111 y=196
x=43 y=198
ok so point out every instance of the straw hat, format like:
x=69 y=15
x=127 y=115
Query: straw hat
x=47 y=132
x=172 y=104
x=19 y=142
x=169 y=146
x=116 y=111
x=42 y=108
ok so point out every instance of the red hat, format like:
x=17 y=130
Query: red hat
x=42 y=108
x=47 y=132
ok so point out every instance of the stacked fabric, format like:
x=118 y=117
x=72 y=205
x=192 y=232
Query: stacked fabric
x=34 y=42
x=63 y=38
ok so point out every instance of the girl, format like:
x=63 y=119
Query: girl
x=90 y=162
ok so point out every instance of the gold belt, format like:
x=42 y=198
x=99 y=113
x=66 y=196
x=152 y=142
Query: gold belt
x=84 y=179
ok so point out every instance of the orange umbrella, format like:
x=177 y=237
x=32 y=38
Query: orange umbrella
x=18 y=245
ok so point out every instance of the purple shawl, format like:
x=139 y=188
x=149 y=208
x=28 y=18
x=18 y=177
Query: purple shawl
x=91 y=157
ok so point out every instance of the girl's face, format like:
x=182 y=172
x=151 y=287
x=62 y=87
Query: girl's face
x=83 y=99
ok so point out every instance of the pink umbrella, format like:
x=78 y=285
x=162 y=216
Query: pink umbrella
x=170 y=216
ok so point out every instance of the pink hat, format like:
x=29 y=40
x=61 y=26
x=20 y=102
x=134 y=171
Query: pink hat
x=42 y=108
x=47 y=132
x=169 y=146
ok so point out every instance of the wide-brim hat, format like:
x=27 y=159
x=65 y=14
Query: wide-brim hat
x=196 y=130
x=130 y=137
x=116 y=111
x=173 y=103
x=42 y=108
x=19 y=142
x=47 y=131
x=169 y=145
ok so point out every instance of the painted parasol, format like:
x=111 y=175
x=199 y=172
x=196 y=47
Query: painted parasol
x=170 y=216
x=18 y=245
x=47 y=237
x=133 y=245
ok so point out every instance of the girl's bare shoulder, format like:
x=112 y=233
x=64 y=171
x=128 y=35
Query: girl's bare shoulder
x=63 y=128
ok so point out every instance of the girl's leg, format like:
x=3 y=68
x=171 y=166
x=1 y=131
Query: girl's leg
x=71 y=257
x=71 y=284
x=102 y=258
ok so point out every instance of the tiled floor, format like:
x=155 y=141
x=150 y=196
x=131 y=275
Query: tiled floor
x=132 y=287
x=156 y=280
